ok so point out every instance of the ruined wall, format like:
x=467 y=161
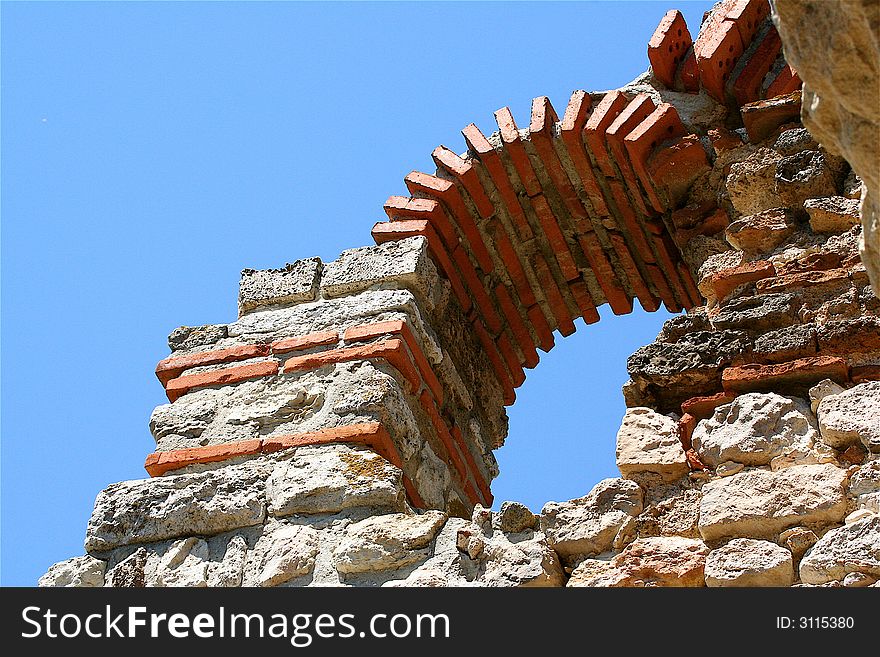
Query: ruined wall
x=340 y=431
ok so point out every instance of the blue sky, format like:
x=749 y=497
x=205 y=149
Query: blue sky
x=150 y=151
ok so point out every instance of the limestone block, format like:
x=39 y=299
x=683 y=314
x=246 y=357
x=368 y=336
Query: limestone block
x=648 y=442
x=294 y=283
x=330 y=478
x=522 y=559
x=759 y=313
x=667 y=561
x=864 y=487
x=751 y=183
x=749 y=562
x=387 y=542
x=853 y=548
x=834 y=214
x=228 y=571
x=515 y=517
x=189 y=337
x=803 y=176
x=203 y=503
x=76 y=572
x=798 y=540
x=761 y=232
x=404 y=263
x=588 y=525
x=753 y=429
x=185 y=563
x=283 y=552
x=760 y=504
x=852 y=416
x=823 y=389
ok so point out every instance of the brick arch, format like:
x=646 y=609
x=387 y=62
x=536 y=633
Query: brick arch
x=529 y=229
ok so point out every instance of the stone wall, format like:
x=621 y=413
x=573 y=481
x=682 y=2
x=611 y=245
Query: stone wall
x=341 y=430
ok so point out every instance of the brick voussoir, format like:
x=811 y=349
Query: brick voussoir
x=717 y=49
x=482 y=301
x=746 y=87
x=608 y=280
x=401 y=208
x=646 y=298
x=542 y=328
x=593 y=133
x=576 y=116
x=637 y=111
x=555 y=239
x=181 y=385
x=802 y=372
x=465 y=174
x=662 y=124
x=668 y=45
x=555 y=300
x=514 y=267
x=518 y=326
x=515 y=150
x=495 y=359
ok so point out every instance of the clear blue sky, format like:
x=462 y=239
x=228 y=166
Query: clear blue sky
x=150 y=151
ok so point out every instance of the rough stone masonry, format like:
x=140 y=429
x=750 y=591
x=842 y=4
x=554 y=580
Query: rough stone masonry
x=341 y=430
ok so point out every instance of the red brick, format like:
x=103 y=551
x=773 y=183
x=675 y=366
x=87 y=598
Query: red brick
x=465 y=173
x=386 y=231
x=763 y=117
x=392 y=351
x=748 y=16
x=821 y=261
x=862 y=373
x=401 y=208
x=514 y=266
x=542 y=328
x=517 y=326
x=802 y=279
x=491 y=160
x=497 y=362
x=747 y=85
x=413 y=495
x=639 y=109
x=689 y=72
x=696 y=299
x=631 y=221
x=668 y=265
x=576 y=115
x=173 y=367
x=723 y=140
x=711 y=225
x=693 y=461
x=584 y=301
x=801 y=372
x=370 y=434
x=158 y=463
x=612 y=288
x=516 y=151
x=481 y=299
x=674 y=169
x=442 y=432
x=667 y=46
x=785 y=83
x=686 y=426
x=511 y=359
x=663 y=288
x=554 y=297
x=556 y=240
x=401 y=328
x=178 y=387
x=703 y=407
x=541 y=135
x=482 y=485
x=661 y=125
x=717 y=49
x=303 y=342
x=603 y=116
x=649 y=302
x=726 y=280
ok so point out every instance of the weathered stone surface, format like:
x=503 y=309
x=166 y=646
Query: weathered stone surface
x=648 y=442
x=794 y=140
x=404 y=263
x=789 y=343
x=798 y=540
x=330 y=478
x=821 y=390
x=229 y=570
x=859 y=334
x=833 y=214
x=761 y=232
x=203 y=503
x=760 y=504
x=668 y=561
x=588 y=525
x=852 y=416
x=76 y=572
x=188 y=337
x=522 y=559
x=759 y=313
x=749 y=562
x=670 y=510
x=128 y=573
x=515 y=517
x=679 y=326
x=185 y=563
x=294 y=283
x=803 y=176
x=387 y=542
x=753 y=429
x=853 y=548
x=864 y=487
x=284 y=552
x=840 y=106
x=751 y=183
